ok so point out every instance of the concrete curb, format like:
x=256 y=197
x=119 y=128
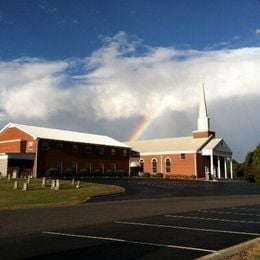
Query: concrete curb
x=224 y=253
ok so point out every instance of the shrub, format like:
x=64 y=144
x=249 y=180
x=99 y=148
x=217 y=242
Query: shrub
x=84 y=172
x=145 y=174
x=250 y=178
x=52 y=172
x=69 y=172
x=158 y=174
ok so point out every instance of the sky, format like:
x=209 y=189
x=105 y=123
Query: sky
x=109 y=66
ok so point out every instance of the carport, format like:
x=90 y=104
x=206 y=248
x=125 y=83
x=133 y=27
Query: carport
x=16 y=164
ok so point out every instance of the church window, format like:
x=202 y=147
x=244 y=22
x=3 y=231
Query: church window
x=168 y=165
x=154 y=165
x=183 y=156
x=45 y=146
x=141 y=165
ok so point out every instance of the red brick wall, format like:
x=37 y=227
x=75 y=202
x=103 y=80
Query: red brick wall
x=179 y=167
x=203 y=134
x=19 y=141
x=48 y=159
x=202 y=161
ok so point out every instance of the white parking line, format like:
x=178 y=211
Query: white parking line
x=256 y=209
x=214 y=219
x=187 y=228
x=229 y=213
x=130 y=241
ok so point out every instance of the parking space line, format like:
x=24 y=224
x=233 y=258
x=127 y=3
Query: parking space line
x=214 y=219
x=130 y=241
x=187 y=228
x=229 y=213
x=256 y=209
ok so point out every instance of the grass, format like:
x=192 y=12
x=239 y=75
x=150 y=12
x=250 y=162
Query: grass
x=36 y=196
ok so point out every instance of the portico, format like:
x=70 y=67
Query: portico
x=220 y=156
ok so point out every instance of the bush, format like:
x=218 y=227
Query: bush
x=84 y=172
x=69 y=172
x=122 y=173
x=158 y=174
x=145 y=174
x=52 y=172
x=250 y=178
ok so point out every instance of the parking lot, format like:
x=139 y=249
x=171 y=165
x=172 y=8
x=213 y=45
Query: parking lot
x=153 y=219
x=173 y=236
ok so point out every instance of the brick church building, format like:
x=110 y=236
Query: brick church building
x=30 y=150
x=198 y=156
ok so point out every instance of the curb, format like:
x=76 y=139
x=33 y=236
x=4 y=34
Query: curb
x=224 y=253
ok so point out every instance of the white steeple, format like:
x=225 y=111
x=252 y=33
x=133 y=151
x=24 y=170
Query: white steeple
x=203 y=119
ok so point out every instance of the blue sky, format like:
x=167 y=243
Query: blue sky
x=104 y=66
x=61 y=29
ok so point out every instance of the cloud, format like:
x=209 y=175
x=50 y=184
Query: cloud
x=125 y=80
x=257 y=31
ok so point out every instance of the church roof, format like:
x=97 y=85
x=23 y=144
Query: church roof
x=169 y=145
x=64 y=135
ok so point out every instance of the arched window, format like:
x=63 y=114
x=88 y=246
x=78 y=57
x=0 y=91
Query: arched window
x=141 y=165
x=168 y=165
x=154 y=165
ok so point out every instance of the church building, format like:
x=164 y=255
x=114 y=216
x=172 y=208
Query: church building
x=199 y=156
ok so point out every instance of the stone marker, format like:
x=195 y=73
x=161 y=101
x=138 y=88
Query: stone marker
x=25 y=186
x=78 y=185
x=8 y=177
x=52 y=184
x=43 y=182
x=57 y=186
x=29 y=178
x=73 y=182
x=15 y=185
x=14 y=174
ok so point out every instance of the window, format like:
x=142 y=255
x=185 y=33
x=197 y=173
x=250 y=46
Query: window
x=101 y=167
x=154 y=165
x=59 y=147
x=168 y=165
x=88 y=149
x=74 y=166
x=88 y=167
x=75 y=148
x=45 y=146
x=58 y=166
x=113 y=166
x=125 y=153
x=141 y=165
x=29 y=146
x=101 y=150
x=113 y=152
x=183 y=156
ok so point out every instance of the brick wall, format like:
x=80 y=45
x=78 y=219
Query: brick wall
x=179 y=167
x=85 y=154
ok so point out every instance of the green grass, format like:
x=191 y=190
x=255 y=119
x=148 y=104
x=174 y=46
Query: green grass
x=36 y=196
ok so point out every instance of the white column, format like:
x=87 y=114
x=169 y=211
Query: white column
x=211 y=164
x=219 y=176
x=161 y=164
x=231 y=168
x=225 y=165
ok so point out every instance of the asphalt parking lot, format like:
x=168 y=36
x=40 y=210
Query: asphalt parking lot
x=147 y=188
x=172 y=236
x=153 y=219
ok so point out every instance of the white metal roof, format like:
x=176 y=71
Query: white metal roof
x=169 y=145
x=64 y=135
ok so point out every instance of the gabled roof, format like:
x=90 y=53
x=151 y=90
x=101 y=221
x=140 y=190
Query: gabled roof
x=64 y=135
x=169 y=145
x=217 y=146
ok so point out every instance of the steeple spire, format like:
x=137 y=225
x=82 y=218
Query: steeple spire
x=203 y=119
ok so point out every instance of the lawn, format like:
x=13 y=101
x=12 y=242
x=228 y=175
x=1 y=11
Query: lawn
x=36 y=196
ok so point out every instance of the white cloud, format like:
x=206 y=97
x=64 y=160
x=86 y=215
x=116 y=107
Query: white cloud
x=257 y=31
x=121 y=82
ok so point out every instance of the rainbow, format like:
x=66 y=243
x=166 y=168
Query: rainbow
x=146 y=123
